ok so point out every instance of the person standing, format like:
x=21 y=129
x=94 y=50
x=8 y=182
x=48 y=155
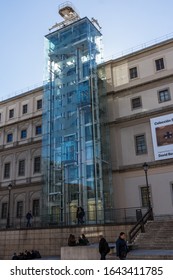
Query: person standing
x=80 y=215
x=121 y=246
x=103 y=248
x=28 y=217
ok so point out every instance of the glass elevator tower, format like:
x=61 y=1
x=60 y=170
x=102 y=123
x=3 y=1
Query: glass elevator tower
x=72 y=153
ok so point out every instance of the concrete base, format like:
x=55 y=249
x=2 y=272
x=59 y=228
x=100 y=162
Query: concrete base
x=89 y=252
x=48 y=241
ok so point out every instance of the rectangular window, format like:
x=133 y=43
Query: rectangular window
x=140 y=144
x=0 y=117
x=159 y=64
x=25 y=109
x=89 y=151
x=9 y=137
x=90 y=171
x=37 y=165
x=133 y=73
x=4 y=210
x=87 y=116
x=70 y=114
x=11 y=113
x=136 y=103
x=164 y=95
x=19 y=213
x=38 y=130
x=39 y=104
x=21 y=171
x=144 y=197
x=88 y=132
x=23 y=134
x=36 y=207
x=72 y=173
x=70 y=96
x=7 y=170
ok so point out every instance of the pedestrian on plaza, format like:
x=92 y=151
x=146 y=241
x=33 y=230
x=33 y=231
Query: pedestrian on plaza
x=121 y=246
x=104 y=248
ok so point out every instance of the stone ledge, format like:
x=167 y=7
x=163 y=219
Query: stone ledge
x=89 y=252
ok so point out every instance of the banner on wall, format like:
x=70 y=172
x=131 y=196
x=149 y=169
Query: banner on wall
x=162 y=136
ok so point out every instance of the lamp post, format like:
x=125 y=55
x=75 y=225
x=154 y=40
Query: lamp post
x=9 y=198
x=145 y=167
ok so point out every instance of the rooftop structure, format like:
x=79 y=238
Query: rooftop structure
x=69 y=14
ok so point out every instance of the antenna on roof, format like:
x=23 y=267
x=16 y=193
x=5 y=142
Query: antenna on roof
x=93 y=20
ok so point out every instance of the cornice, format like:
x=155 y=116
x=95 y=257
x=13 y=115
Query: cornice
x=147 y=114
x=21 y=121
x=138 y=167
x=129 y=88
x=17 y=146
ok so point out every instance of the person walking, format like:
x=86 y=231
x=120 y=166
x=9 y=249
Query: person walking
x=103 y=248
x=121 y=246
x=28 y=217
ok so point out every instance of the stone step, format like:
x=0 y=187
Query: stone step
x=159 y=228
x=158 y=235
x=148 y=234
x=138 y=256
x=152 y=247
x=156 y=240
x=150 y=257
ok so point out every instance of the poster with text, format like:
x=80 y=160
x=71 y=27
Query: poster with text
x=162 y=135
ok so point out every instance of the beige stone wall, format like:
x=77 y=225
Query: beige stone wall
x=27 y=187
x=50 y=241
x=128 y=184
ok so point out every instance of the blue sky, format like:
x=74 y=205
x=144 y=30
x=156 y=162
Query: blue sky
x=23 y=24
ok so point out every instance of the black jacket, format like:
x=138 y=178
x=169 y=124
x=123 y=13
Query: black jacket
x=121 y=248
x=103 y=246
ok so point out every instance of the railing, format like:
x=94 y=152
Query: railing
x=24 y=90
x=140 y=47
x=109 y=216
x=139 y=226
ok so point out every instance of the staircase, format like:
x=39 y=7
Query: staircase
x=158 y=235
x=155 y=244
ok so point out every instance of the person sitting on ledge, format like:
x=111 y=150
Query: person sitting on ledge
x=15 y=257
x=71 y=240
x=83 y=241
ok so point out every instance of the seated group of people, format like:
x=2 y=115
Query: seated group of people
x=27 y=255
x=82 y=240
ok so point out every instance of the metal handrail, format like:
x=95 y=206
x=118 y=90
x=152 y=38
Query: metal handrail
x=139 y=226
x=112 y=216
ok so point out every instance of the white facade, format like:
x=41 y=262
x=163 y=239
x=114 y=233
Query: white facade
x=20 y=154
x=134 y=97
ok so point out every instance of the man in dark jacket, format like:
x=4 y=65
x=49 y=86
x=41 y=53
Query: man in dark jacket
x=28 y=217
x=121 y=246
x=103 y=248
